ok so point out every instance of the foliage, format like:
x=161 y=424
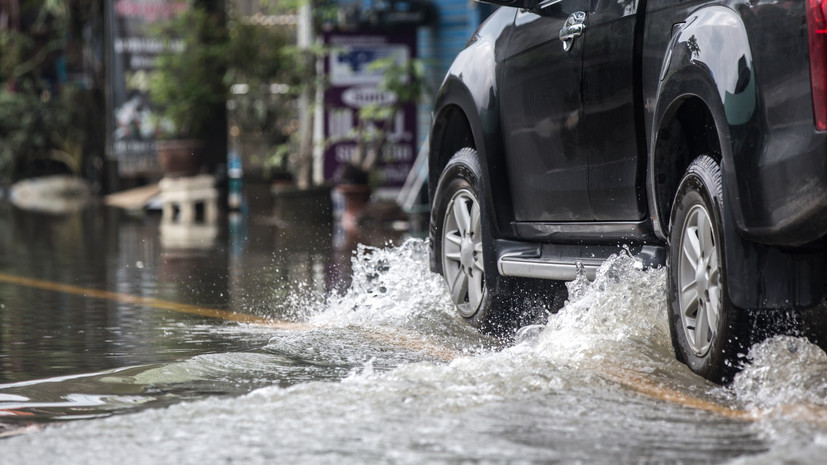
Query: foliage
x=325 y=12
x=263 y=80
x=27 y=53
x=188 y=83
x=41 y=136
x=45 y=122
x=295 y=154
x=258 y=70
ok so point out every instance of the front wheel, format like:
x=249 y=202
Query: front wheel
x=461 y=236
x=708 y=332
x=461 y=241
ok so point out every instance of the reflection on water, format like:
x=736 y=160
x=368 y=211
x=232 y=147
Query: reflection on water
x=241 y=264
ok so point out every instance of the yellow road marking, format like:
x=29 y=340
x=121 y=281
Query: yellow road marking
x=638 y=382
x=415 y=344
x=147 y=301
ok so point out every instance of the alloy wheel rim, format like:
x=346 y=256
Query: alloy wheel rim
x=700 y=284
x=462 y=263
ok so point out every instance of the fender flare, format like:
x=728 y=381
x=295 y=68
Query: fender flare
x=696 y=65
x=475 y=98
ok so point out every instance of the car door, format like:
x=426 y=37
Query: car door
x=609 y=122
x=541 y=108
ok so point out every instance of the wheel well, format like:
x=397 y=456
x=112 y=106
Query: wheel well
x=687 y=131
x=452 y=132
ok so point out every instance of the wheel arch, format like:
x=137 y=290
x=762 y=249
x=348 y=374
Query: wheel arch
x=687 y=130
x=451 y=132
x=470 y=117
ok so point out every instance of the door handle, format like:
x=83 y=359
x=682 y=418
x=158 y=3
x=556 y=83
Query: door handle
x=573 y=28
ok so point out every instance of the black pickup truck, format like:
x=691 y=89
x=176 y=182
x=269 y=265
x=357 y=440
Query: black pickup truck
x=692 y=132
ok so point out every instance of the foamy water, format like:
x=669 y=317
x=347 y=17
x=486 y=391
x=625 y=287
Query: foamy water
x=390 y=374
x=392 y=288
x=784 y=387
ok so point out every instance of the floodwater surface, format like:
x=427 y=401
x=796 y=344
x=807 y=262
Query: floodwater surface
x=280 y=345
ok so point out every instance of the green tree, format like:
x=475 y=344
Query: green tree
x=48 y=123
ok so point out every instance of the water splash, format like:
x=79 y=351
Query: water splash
x=393 y=288
x=784 y=386
x=389 y=286
x=619 y=316
x=781 y=371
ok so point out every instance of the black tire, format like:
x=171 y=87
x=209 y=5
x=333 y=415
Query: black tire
x=708 y=331
x=462 y=243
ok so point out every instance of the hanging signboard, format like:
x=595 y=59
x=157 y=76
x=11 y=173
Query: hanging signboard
x=131 y=52
x=353 y=84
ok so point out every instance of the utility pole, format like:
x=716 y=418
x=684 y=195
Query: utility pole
x=304 y=40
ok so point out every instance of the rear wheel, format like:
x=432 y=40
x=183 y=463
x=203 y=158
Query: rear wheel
x=708 y=332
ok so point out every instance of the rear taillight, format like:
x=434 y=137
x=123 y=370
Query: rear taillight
x=817 y=27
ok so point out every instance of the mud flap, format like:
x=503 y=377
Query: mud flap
x=762 y=277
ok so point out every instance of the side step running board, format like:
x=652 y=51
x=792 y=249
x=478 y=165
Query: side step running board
x=546 y=264
x=538 y=268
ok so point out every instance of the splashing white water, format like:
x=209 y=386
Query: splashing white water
x=784 y=386
x=390 y=286
x=393 y=288
x=781 y=371
x=619 y=316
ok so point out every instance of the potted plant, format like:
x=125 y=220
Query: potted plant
x=188 y=87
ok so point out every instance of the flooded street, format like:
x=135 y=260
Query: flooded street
x=266 y=343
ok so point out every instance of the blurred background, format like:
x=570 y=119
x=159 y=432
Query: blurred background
x=225 y=155
x=321 y=103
